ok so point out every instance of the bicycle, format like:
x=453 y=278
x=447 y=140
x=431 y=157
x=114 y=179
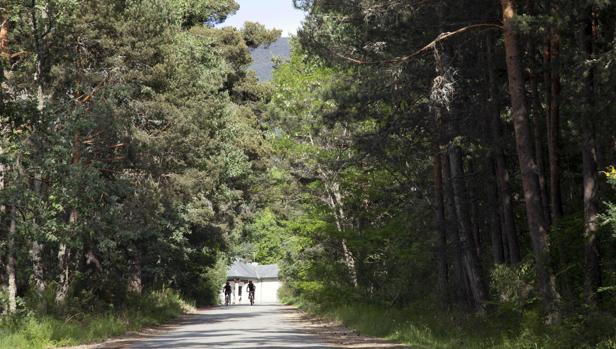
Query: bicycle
x=251 y=296
x=227 y=299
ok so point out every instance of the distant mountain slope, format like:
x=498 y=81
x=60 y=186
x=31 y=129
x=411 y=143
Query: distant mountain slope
x=262 y=58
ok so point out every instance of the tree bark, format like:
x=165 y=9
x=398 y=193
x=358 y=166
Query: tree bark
x=474 y=217
x=502 y=174
x=451 y=219
x=538 y=138
x=439 y=209
x=592 y=270
x=496 y=236
x=64 y=253
x=36 y=249
x=538 y=128
x=554 y=129
x=11 y=264
x=470 y=258
x=38 y=271
x=135 y=284
x=538 y=134
x=3 y=171
x=335 y=203
x=528 y=167
x=348 y=255
x=4 y=35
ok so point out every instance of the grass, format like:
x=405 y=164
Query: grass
x=421 y=326
x=46 y=331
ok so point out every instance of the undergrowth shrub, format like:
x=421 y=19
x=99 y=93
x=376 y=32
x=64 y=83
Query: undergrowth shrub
x=425 y=325
x=69 y=326
x=513 y=285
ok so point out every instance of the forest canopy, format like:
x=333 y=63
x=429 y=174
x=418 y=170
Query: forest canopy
x=452 y=160
x=130 y=148
x=451 y=155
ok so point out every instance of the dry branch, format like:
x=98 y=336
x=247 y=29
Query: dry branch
x=441 y=37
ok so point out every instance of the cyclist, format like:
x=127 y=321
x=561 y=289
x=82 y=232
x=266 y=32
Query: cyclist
x=239 y=291
x=251 y=292
x=227 y=290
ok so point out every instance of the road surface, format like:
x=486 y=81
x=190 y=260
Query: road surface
x=242 y=326
x=237 y=326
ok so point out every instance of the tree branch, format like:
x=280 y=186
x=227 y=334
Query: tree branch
x=441 y=37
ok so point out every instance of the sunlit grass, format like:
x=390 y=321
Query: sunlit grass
x=44 y=331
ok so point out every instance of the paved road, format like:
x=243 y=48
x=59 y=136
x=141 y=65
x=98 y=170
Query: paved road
x=239 y=326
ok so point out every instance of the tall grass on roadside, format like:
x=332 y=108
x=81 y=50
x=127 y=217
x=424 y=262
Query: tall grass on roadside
x=33 y=331
x=423 y=326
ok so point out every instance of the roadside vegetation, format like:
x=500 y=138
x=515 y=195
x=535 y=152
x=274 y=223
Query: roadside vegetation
x=130 y=158
x=423 y=325
x=82 y=323
x=442 y=171
x=437 y=172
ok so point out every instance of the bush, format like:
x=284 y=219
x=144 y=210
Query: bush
x=513 y=285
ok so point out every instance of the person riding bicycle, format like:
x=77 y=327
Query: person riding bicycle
x=239 y=290
x=228 y=290
x=251 y=291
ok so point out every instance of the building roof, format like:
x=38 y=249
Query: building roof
x=269 y=271
x=241 y=270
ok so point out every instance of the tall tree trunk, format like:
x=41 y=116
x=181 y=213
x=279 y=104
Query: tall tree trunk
x=135 y=284
x=592 y=271
x=496 y=236
x=506 y=201
x=538 y=115
x=4 y=34
x=64 y=256
x=349 y=260
x=538 y=138
x=38 y=271
x=502 y=174
x=475 y=231
x=64 y=252
x=554 y=128
x=470 y=258
x=3 y=176
x=3 y=171
x=334 y=201
x=36 y=249
x=451 y=219
x=530 y=180
x=538 y=134
x=348 y=255
x=11 y=264
x=439 y=209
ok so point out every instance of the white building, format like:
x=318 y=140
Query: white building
x=265 y=278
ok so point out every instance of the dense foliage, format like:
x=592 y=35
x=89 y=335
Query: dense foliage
x=130 y=149
x=448 y=159
x=447 y=156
